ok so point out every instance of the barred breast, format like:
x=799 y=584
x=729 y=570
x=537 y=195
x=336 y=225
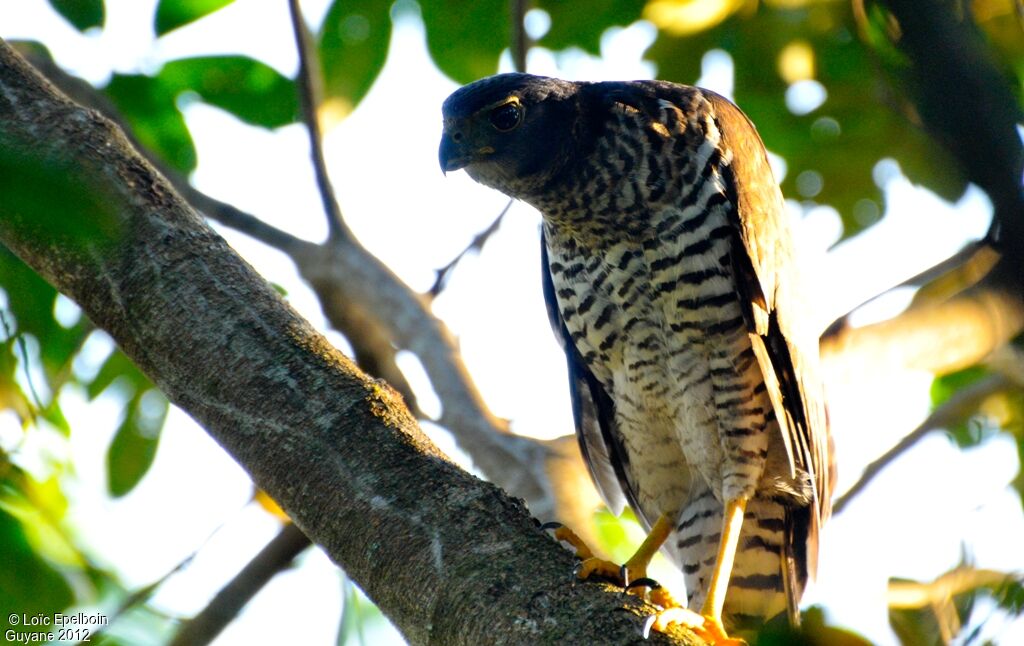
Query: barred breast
x=656 y=316
x=644 y=280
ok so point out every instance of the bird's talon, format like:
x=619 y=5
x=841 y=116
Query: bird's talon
x=552 y=524
x=644 y=582
x=706 y=627
x=648 y=624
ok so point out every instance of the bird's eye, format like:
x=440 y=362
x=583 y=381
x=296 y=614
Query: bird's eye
x=506 y=117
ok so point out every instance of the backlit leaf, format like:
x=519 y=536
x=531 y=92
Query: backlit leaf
x=148 y=104
x=83 y=14
x=28 y=584
x=353 y=43
x=252 y=91
x=581 y=24
x=134 y=446
x=171 y=14
x=465 y=39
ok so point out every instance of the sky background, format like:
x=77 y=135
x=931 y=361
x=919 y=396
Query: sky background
x=915 y=521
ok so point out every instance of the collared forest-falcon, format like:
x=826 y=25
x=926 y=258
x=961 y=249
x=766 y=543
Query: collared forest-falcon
x=670 y=283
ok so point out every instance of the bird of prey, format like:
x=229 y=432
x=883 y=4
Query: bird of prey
x=670 y=283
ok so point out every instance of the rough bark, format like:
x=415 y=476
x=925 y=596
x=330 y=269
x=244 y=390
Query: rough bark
x=449 y=558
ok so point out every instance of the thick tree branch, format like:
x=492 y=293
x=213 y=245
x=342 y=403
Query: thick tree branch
x=939 y=338
x=449 y=558
x=378 y=313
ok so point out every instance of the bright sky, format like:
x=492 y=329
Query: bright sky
x=910 y=523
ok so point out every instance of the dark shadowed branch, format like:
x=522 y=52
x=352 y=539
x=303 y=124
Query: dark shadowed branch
x=476 y=245
x=519 y=40
x=276 y=557
x=959 y=407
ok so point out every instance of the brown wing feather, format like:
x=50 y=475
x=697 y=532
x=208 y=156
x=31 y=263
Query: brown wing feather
x=786 y=352
x=592 y=409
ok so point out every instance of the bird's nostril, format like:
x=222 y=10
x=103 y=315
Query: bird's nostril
x=456 y=136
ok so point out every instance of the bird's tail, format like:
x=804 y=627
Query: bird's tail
x=770 y=570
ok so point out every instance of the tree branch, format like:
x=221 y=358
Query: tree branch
x=519 y=41
x=475 y=245
x=276 y=557
x=912 y=594
x=959 y=407
x=448 y=558
x=377 y=313
x=939 y=338
x=310 y=94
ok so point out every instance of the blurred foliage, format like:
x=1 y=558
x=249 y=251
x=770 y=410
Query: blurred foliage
x=171 y=14
x=824 y=80
x=353 y=43
x=83 y=14
x=936 y=612
x=1000 y=412
x=466 y=39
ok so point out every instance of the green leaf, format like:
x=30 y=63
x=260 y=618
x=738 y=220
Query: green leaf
x=581 y=24
x=252 y=91
x=28 y=584
x=118 y=365
x=83 y=14
x=134 y=446
x=465 y=39
x=148 y=104
x=965 y=433
x=353 y=44
x=171 y=14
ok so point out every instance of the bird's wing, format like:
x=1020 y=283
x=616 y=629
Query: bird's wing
x=786 y=352
x=592 y=409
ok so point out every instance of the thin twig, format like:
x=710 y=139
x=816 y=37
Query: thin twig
x=520 y=41
x=277 y=556
x=19 y=340
x=975 y=260
x=519 y=46
x=310 y=95
x=476 y=245
x=222 y=212
x=962 y=404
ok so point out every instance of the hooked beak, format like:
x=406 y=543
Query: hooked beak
x=451 y=155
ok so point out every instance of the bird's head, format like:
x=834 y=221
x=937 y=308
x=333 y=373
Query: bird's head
x=512 y=132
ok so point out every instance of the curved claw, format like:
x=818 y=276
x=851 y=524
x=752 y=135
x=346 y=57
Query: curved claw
x=551 y=524
x=648 y=624
x=644 y=582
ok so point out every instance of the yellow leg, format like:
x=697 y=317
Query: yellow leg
x=731 y=526
x=636 y=566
